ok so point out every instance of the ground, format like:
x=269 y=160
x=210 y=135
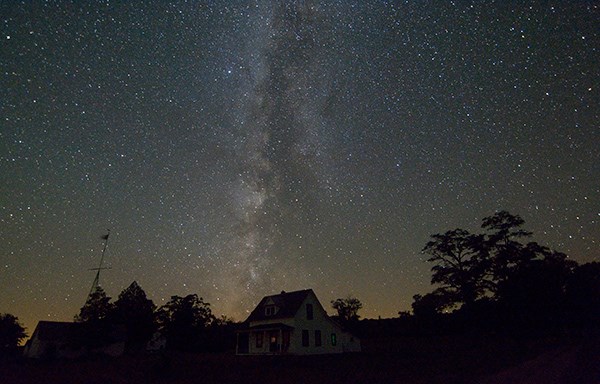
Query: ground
x=480 y=360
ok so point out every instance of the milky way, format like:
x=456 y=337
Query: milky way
x=237 y=149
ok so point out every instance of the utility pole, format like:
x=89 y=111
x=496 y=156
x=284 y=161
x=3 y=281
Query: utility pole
x=96 y=282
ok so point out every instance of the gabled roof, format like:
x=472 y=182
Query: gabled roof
x=288 y=304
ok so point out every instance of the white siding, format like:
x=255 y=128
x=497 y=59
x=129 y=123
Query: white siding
x=320 y=322
x=323 y=323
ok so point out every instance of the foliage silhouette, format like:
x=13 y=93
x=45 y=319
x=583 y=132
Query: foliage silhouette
x=347 y=309
x=506 y=253
x=495 y=281
x=460 y=266
x=184 y=321
x=97 y=307
x=220 y=336
x=533 y=297
x=136 y=312
x=428 y=306
x=582 y=296
x=96 y=316
x=11 y=334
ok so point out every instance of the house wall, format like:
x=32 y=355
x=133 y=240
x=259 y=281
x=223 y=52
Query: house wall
x=253 y=348
x=344 y=342
x=33 y=348
x=62 y=349
x=37 y=349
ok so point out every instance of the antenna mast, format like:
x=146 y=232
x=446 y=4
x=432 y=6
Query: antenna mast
x=96 y=282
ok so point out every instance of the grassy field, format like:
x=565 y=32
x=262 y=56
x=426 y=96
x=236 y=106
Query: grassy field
x=401 y=361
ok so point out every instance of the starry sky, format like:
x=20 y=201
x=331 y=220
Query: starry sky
x=239 y=148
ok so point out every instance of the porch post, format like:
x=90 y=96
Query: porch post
x=280 y=339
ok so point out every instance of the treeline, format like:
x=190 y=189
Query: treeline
x=498 y=281
x=183 y=323
x=494 y=282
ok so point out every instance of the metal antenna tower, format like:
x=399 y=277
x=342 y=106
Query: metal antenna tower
x=96 y=282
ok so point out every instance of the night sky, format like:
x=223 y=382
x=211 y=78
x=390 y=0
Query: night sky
x=237 y=149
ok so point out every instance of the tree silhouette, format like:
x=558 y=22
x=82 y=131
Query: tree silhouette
x=533 y=296
x=505 y=226
x=583 y=296
x=96 y=317
x=134 y=310
x=11 y=334
x=184 y=320
x=495 y=276
x=347 y=308
x=97 y=307
x=220 y=335
x=460 y=266
x=429 y=305
x=507 y=253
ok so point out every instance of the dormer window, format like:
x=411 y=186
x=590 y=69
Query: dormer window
x=270 y=310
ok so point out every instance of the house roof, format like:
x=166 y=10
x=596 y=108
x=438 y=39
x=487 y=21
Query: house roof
x=288 y=304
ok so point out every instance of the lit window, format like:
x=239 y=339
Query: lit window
x=333 y=339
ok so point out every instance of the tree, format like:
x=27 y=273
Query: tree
x=220 y=335
x=347 y=308
x=460 y=266
x=96 y=316
x=505 y=227
x=497 y=277
x=469 y=266
x=583 y=295
x=184 y=321
x=97 y=307
x=11 y=334
x=511 y=260
x=502 y=243
x=533 y=296
x=429 y=305
x=136 y=312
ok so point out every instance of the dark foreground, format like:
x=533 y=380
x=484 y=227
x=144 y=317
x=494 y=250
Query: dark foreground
x=413 y=361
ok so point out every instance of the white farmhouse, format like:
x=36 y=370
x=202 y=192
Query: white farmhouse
x=293 y=323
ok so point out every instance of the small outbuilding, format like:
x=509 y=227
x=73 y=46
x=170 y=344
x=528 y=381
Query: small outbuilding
x=55 y=339
x=293 y=323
